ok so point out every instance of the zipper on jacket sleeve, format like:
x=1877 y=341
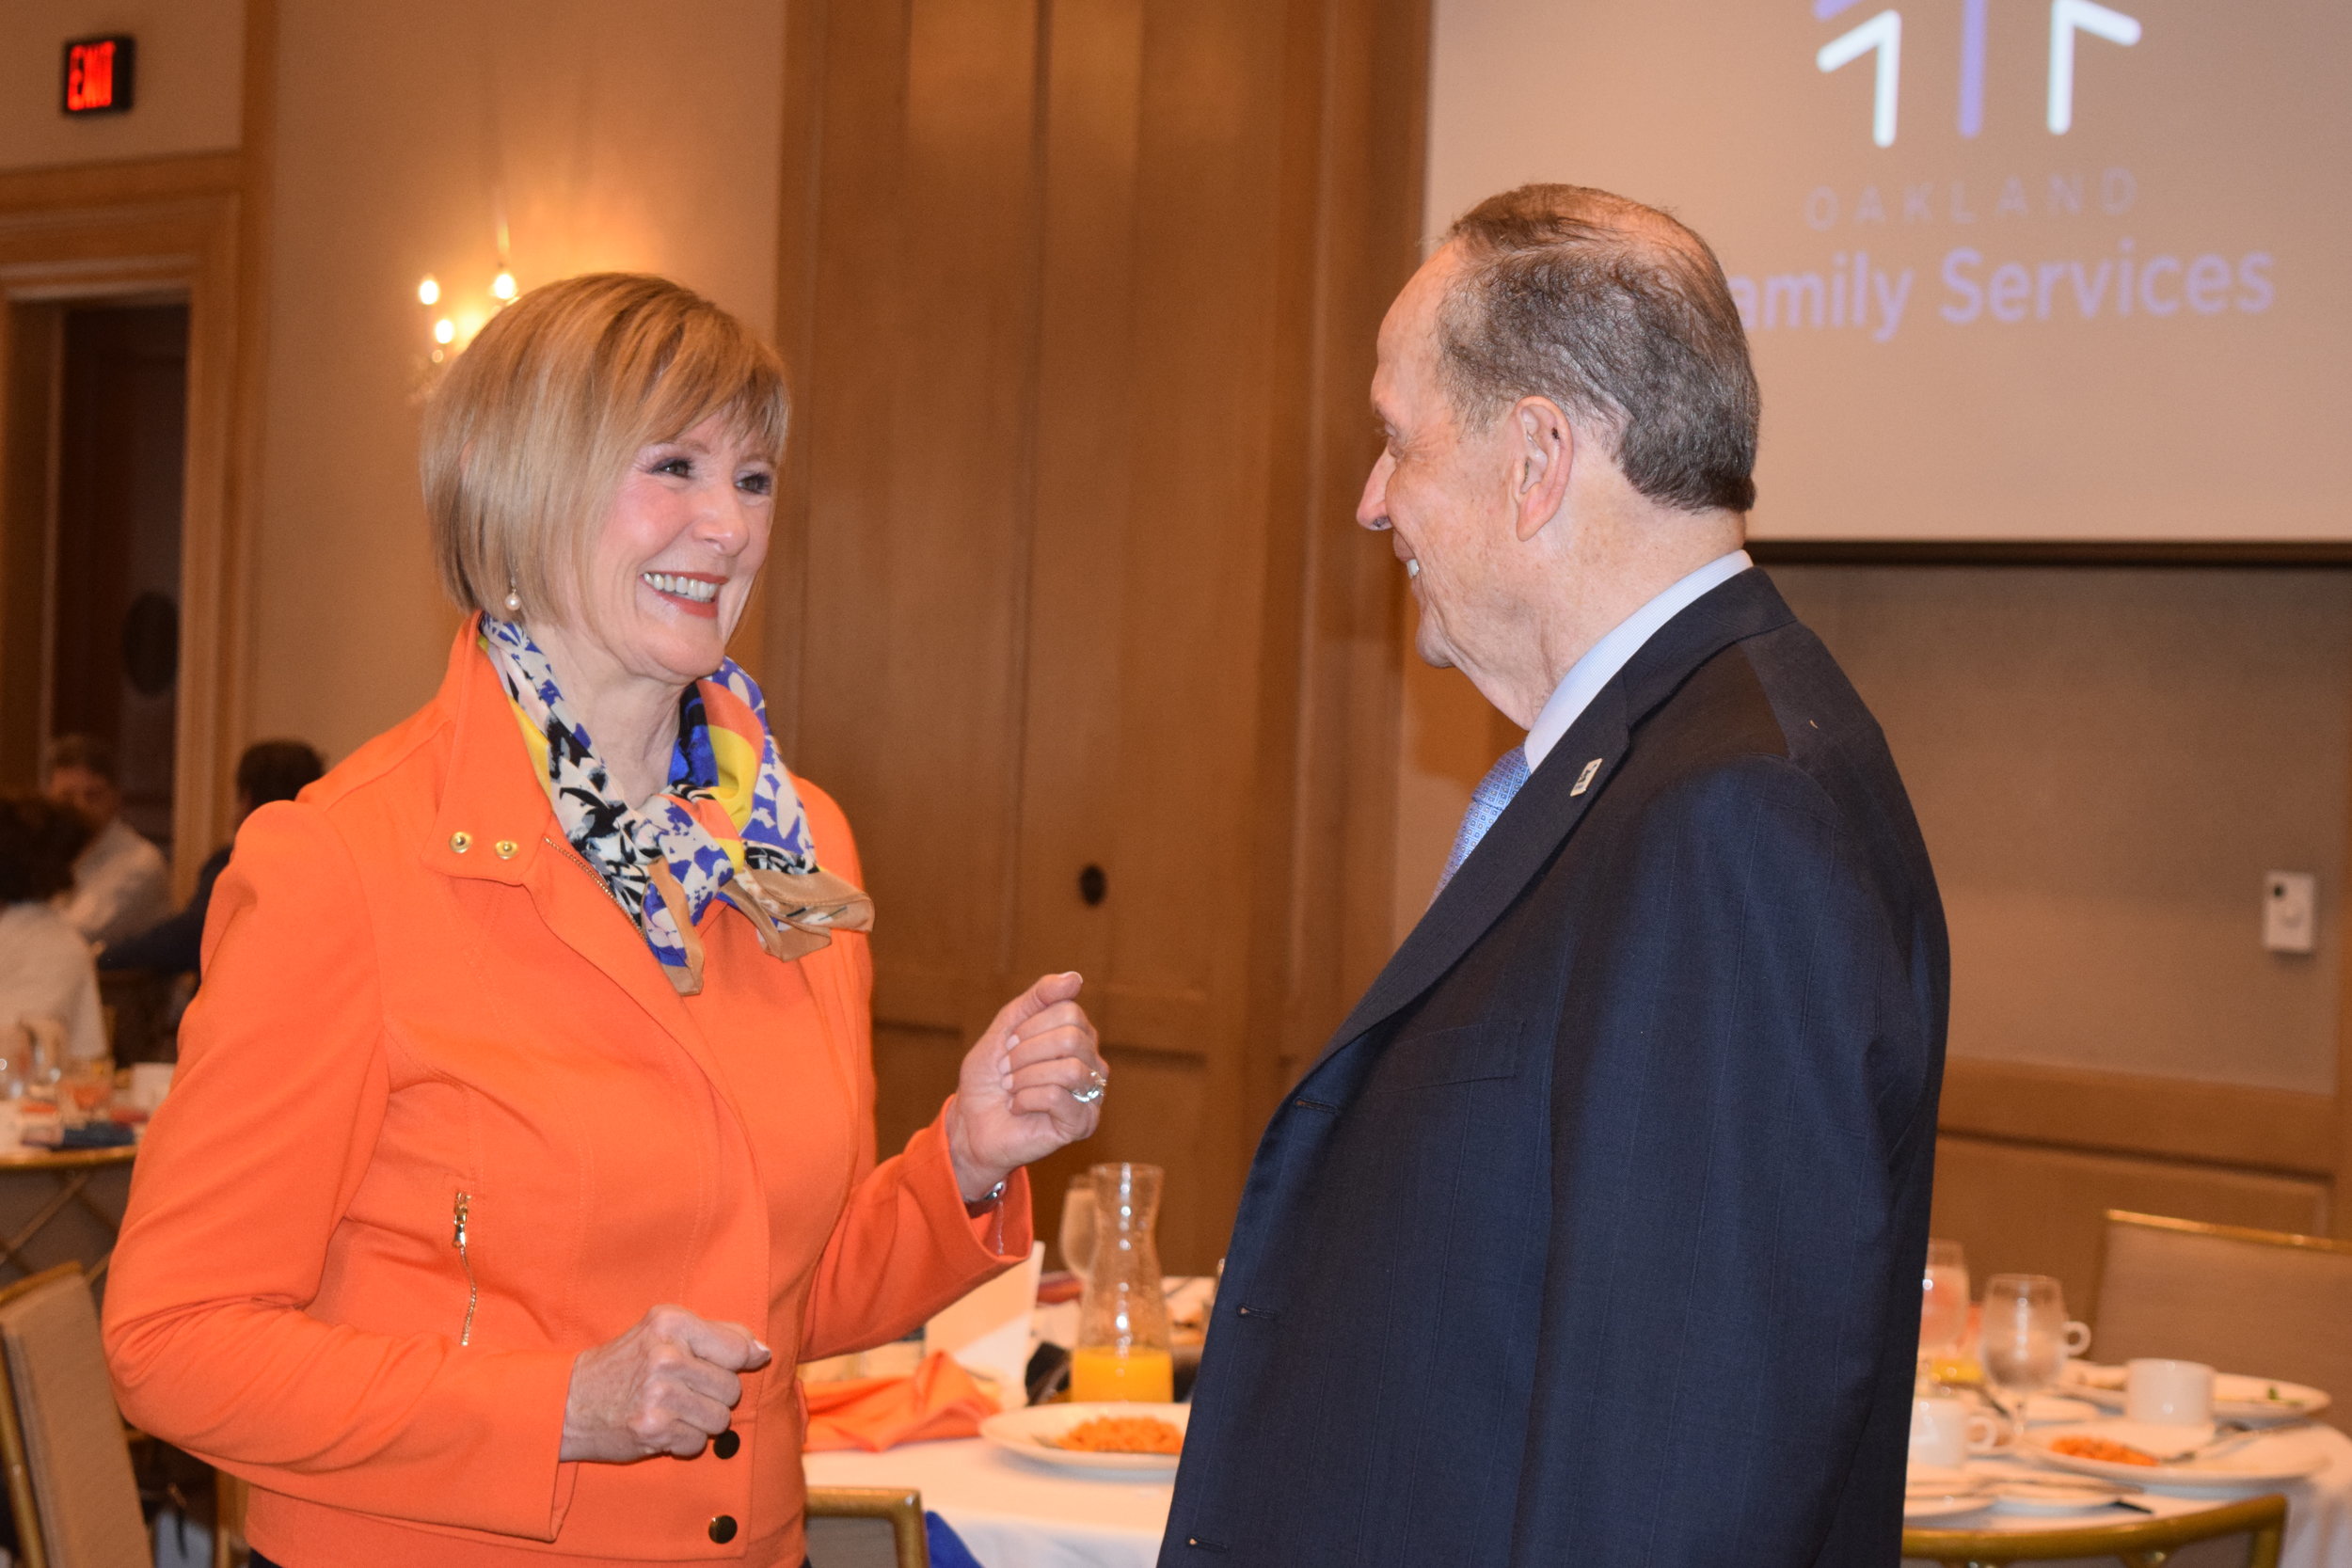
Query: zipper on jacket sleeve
x=473 y=1291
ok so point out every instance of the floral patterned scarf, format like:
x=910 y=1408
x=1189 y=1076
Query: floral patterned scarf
x=729 y=827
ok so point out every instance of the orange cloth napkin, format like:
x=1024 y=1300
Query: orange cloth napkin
x=939 y=1399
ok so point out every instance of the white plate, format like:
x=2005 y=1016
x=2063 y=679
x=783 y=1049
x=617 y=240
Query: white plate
x=2235 y=1398
x=1938 y=1478
x=1919 y=1509
x=1029 y=1432
x=2263 y=1460
x=2049 y=1497
x=2050 y=1409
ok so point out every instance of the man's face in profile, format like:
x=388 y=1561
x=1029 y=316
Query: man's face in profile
x=1443 y=492
x=89 y=795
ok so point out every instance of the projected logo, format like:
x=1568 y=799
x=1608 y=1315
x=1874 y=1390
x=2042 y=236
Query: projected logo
x=1882 y=38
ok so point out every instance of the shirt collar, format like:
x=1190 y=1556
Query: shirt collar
x=1604 y=659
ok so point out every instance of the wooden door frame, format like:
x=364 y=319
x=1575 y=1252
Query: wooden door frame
x=196 y=227
x=165 y=228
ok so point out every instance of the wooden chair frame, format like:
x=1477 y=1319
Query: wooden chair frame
x=2142 y=1544
x=902 y=1508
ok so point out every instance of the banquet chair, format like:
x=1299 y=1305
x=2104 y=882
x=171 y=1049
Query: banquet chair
x=2259 y=1301
x=866 y=1526
x=69 y=1482
x=2140 y=1543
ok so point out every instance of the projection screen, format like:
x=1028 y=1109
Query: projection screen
x=2032 y=270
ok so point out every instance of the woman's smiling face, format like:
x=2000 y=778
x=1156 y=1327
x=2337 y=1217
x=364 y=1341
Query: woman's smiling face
x=672 y=567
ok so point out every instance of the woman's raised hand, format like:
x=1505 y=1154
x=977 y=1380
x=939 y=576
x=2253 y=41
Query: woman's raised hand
x=1032 y=1082
x=667 y=1385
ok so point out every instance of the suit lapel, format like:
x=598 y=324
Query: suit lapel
x=1558 y=794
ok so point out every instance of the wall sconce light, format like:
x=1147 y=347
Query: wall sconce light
x=448 y=323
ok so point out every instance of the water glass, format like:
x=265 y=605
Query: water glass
x=1944 y=1299
x=2028 y=1338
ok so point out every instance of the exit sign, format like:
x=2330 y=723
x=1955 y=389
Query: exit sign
x=99 y=74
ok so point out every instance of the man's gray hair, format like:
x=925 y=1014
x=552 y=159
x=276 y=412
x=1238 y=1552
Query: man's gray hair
x=1621 y=316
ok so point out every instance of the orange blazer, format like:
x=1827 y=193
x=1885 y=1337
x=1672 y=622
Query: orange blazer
x=418 y=999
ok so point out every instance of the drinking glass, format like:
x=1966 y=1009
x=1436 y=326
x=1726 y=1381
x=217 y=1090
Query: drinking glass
x=2026 y=1338
x=1942 y=1304
x=1076 y=1239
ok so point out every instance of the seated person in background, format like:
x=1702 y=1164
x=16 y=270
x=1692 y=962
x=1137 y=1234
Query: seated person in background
x=45 y=964
x=120 y=884
x=269 y=771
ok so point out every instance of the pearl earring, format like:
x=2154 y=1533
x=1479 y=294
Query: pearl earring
x=514 y=600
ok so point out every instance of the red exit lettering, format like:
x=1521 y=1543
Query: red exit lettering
x=98 y=76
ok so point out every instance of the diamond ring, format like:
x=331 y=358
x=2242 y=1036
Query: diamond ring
x=1096 y=1084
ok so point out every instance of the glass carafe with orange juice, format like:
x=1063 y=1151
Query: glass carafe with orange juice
x=1122 y=1350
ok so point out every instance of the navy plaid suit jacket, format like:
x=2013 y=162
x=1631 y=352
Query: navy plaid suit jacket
x=1595 y=1235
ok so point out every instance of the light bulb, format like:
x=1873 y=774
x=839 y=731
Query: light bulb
x=428 y=291
x=503 y=285
x=445 y=331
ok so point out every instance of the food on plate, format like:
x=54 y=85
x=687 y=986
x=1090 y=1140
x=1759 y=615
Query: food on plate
x=2104 y=1449
x=1123 y=1434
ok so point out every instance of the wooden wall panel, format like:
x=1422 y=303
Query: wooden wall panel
x=1084 y=295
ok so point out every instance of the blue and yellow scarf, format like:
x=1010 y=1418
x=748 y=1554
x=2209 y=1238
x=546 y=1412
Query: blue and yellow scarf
x=729 y=827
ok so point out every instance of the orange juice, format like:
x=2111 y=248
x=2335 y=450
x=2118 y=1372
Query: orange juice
x=1105 y=1373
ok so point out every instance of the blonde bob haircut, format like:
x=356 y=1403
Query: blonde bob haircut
x=529 y=437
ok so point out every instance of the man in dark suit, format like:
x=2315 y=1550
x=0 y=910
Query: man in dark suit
x=1596 y=1234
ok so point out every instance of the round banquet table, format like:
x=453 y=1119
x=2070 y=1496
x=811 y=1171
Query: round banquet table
x=2319 y=1512
x=1016 y=1514
x=60 y=1206
x=1011 y=1512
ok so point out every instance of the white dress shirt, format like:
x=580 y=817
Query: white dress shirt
x=1604 y=659
x=121 y=885
x=46 y=972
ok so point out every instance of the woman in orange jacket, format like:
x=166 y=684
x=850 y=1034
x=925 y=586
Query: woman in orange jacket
x=522 y=1141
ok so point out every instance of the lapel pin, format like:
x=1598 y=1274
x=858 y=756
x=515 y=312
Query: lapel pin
x=1584 y=779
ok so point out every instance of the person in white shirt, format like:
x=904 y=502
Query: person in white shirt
x=45 y=967
x=122 y=885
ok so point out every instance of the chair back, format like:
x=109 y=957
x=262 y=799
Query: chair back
x=2139 y=1543
x=68 y=1469
x=866 y=1526
x=2259 y=1301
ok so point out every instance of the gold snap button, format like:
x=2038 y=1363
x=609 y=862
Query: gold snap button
x=460 y=842
x=506 y=848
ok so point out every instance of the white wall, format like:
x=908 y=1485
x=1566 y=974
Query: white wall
x=191 y=56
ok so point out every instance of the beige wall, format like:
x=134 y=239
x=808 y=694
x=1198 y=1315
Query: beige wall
x=2105 y=762
x=190 y=71
x=623 y=135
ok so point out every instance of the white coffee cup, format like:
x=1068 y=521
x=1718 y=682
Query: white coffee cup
x=2168 y=1393
x=1945 y=1431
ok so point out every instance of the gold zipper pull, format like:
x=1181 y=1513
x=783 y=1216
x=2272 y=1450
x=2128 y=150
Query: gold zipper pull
x=473 y=1291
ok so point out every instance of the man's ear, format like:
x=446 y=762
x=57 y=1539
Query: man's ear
x=1544 y=452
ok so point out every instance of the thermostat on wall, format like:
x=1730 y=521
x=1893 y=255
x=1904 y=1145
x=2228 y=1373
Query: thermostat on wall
x=2290 y=900
x=99 y=74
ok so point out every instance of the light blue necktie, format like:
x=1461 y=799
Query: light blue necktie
x=1494 y=792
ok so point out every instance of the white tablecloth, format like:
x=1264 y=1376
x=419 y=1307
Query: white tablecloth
x=2319 y=1507
x=1015 y=1514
